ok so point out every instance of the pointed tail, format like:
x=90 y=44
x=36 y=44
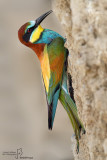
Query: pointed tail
x=71 y=109
x=50 y=122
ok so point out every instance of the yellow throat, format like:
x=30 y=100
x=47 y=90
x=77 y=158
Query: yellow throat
x=36 y=34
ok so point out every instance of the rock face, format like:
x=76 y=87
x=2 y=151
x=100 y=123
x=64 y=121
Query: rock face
x=85 y=26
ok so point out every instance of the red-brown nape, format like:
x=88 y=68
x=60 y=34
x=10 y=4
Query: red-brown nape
x=21 y=32
x=38 y=48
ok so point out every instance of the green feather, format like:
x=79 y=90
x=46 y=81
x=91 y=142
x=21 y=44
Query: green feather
x=56 y=56
x=71 y=109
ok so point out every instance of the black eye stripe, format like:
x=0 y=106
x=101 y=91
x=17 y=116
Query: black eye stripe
x=28 y=33
x=30 y=29
x=26 y=37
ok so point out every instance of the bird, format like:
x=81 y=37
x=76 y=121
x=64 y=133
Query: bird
x=53 y=56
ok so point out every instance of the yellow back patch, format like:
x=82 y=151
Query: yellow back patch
x=36 y=34
x=45 y=67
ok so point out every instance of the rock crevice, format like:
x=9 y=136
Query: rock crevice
x=85 y=26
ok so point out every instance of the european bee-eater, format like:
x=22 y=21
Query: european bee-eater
x=49 y=47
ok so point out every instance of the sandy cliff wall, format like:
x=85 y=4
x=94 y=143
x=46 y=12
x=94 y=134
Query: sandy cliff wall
x=85 y=26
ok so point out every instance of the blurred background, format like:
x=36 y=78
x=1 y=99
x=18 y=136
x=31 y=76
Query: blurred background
x=23 y=108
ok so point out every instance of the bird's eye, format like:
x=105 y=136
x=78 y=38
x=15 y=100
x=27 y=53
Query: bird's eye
x=28 y=30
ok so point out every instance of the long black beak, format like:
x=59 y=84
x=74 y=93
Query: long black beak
x=41 y=18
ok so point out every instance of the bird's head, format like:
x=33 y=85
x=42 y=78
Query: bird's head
x=31 y=31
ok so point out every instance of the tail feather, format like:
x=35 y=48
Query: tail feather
x=71 y=109
x=50 y=116
x=52 y=108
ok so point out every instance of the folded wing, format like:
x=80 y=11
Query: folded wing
x=52 y=66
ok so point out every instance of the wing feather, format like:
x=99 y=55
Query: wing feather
x=52 y=70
